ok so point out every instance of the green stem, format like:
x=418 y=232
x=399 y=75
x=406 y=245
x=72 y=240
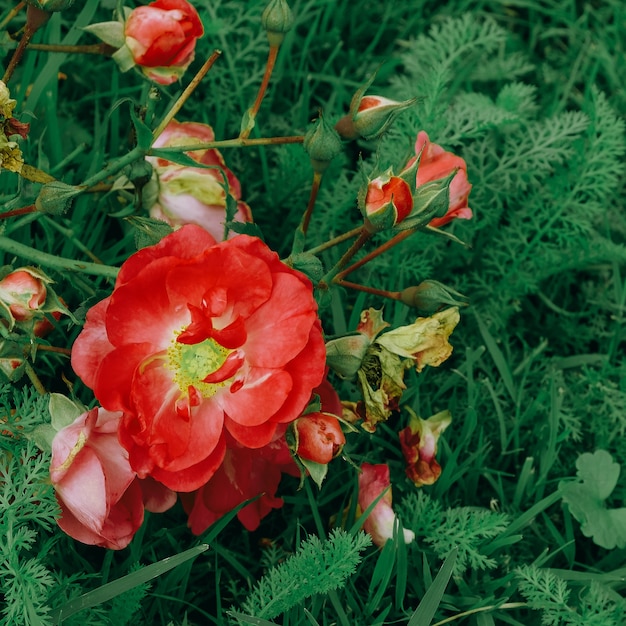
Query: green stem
x=50 y=260
x=335 y=240
x=232 y=143
x=364 y=236
x=34 y=379
x=169 y=116
x=114 y=167
x=315 y=187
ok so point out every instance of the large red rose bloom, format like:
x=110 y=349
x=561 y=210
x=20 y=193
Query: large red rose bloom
x=197 y=339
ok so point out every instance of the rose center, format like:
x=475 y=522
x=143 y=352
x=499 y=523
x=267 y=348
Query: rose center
x=192 y=363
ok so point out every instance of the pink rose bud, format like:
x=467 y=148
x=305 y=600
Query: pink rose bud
x=388 y=200
x=419 y=447
x=380 y=523
x=319 y=437
x=162 y=38
x=24 y=292
x=435 y=164
x=101 y=500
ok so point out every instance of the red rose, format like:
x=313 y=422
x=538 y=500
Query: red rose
x=243 y=475
x=162 y=38
x=435 y=164
x=388 y=200
x=198 y=340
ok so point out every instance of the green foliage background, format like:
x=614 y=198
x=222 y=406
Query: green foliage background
x=531 y=94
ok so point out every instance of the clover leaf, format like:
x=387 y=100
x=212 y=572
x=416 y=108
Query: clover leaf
x=586 y=499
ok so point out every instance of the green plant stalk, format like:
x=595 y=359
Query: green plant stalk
x=178 y=105
x=334 y=273
x=335 y=241
x=114 y=167
x=233 y=143
x=50 y=260
x=315 y=187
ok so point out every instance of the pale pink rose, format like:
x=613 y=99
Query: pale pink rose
x=380 y=523
x=195 y=195
x=101 y=502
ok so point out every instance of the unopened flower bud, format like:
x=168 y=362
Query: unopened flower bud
x=277 y=19
x=23 y=292
x=56 y=197
x=430 y=296
x=322 y=144
x=388 y=200
x=344 y=355
x=318 y=437
x=375 y=114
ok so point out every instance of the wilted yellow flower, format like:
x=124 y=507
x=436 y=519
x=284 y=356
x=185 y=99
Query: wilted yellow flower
x=10 y=155
x=7 y=104
x=425 y=341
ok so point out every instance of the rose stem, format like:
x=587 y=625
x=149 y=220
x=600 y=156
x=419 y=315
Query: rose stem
x=335 y=240
x=374 y=253
x=51 y=260
x=34 y=379
x=234 y=143
x=169 y=116
x=315 y=187
x=269 y=68
x=45 y=348
x=393 y=295
x=11 y=14
x=364 y=236
x=35 y=18
x=23 y=211
x=96 y=48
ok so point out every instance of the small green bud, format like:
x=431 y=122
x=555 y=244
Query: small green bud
x=140 y=173
x=322 y=144
x=430 y=296
x=56 y=197
x=277 y=19
x=148 y=231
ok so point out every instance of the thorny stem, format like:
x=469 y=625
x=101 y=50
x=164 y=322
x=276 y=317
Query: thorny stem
x=186 y=93
x=35 y=18
x=234 y=143
x=252 y=111
x=34 y=379
x=392 y=295
x=401 y=236
x=114 y=167
x=334 y=274
x=31 y=208
x=45 y=348
x=315 y=187
x=102 y=49
x=51 y=260
x=335 y=240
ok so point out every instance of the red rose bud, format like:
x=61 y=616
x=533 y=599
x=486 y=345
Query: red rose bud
x=419 y=447
x=435 y=164
x=375 y=114
x=319 y=437
x=160 y=38
x=277 y=19
x=388 y=200
x=23 y=292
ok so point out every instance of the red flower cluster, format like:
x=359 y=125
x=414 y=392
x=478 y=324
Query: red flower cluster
x=207 y=351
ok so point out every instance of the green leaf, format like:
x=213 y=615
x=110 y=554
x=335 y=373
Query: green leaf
x=425 y=612
x=586 y=499
x=109 y=32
